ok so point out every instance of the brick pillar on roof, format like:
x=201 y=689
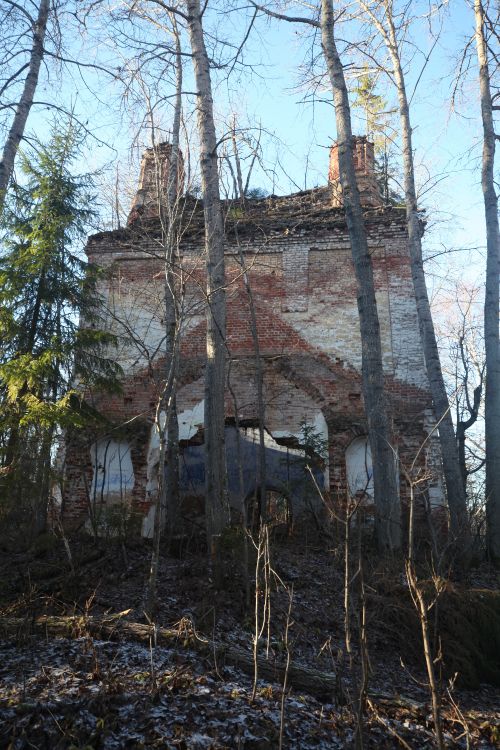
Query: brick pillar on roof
x=364 y=166
x=152 y=187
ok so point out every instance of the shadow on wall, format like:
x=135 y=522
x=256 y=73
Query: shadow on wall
x=286 y=472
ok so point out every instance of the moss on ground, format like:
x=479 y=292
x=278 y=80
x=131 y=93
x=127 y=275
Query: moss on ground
x=467 y=625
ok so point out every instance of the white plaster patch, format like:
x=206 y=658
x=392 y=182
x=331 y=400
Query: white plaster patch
x=148 y=523
x=334 y=329
x=318 y=424
x=191 y=420
x=139 y=309
x=252 y=434
x=433 y=456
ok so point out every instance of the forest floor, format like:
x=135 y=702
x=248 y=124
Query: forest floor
x=87 y=692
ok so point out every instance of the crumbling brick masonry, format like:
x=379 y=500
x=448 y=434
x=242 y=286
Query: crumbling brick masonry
x=296 y=252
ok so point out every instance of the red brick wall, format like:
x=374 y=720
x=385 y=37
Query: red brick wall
x=297 y=257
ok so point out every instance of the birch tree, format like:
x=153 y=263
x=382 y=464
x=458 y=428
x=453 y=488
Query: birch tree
x=172 y=316
x=388 y=520
x=217 y=509
x=491 y=303
x=386 y=494
x=382 y=15
x=37 y=26
x=189 y=16
x=166 y=421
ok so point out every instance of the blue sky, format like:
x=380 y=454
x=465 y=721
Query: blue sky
x=267 y=91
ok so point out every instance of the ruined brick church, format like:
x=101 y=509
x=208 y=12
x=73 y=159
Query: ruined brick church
x=295 y=251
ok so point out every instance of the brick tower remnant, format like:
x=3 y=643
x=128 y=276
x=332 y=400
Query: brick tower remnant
x=364 y=166
x=296 y=251
x=153 y=179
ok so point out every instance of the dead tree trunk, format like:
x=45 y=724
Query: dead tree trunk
x=239 y=176
x=312 y=681
x=23 y=107
x=454 y=487
x=386 y=496
x=491 y=304
x=215 y=474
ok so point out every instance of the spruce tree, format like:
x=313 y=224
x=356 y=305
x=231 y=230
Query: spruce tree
x=50 y=337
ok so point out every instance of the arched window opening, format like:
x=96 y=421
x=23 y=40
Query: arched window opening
x=359 y=469
x=113 y=473
x=277 y=506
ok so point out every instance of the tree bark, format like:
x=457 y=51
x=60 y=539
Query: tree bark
x=16 y=131
x=217 y=511
x=239 y=176
x=449 y=452
x=261 y=406
x=172 y=321
x=462 y=426
x=167 y=500
x=386 y=495
x=491 y=303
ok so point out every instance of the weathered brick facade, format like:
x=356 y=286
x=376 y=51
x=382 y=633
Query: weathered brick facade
x=296 y=252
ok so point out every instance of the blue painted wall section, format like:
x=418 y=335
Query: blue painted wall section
x=286 y=472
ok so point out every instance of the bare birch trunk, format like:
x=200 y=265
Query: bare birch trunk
x=491 y=304
x=150 y=594
x=167 y=500
x=217 y=514
x=172 y=321
x=386 y=496
x=16 y=131
x=454 y=486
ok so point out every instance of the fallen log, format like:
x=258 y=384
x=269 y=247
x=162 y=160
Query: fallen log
x=320 y=684
x=47 y=581
x=114 y=627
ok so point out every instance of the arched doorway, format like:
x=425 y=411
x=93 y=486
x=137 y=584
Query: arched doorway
x=276 y=505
